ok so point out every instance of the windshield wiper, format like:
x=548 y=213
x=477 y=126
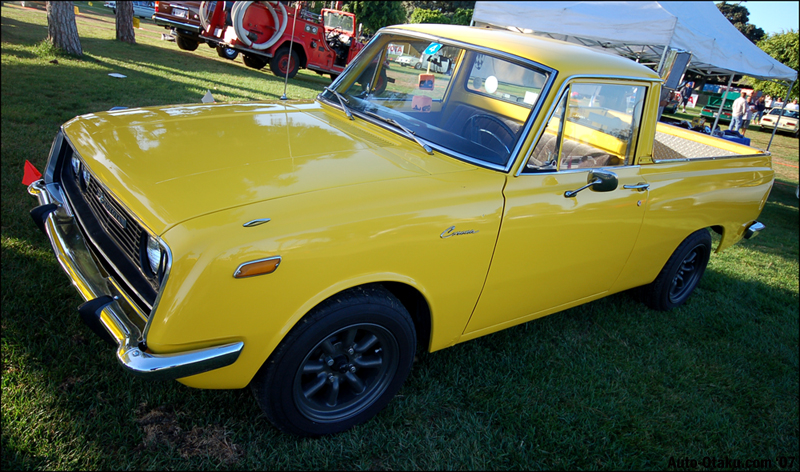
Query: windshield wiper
x=407 y=131
x=342 y=101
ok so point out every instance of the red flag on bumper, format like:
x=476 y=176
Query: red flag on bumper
x=31 y=174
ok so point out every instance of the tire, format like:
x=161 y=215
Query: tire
x=227 y=53
x=680 y=275
x=365 y=77
x=185 y=43
x=418 y=66
x=280 y=62
x=360 y=339
x=256 y=62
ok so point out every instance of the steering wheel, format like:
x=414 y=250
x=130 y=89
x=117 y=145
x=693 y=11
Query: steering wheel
x=333 y=36
x=475 y=133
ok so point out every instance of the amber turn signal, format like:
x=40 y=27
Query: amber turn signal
x=259 y=267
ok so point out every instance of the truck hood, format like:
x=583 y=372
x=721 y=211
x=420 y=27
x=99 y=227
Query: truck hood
x=170 y=164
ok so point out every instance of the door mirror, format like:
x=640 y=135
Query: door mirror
x=607 y=180
x=599 y=181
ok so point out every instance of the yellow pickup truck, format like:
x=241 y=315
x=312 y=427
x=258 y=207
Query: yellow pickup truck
x=308 y=248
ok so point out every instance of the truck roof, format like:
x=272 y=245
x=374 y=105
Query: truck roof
x=567 y=58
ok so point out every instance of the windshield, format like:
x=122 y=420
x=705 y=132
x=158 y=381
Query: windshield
x=338 y=20
x=463 y=101
x=786 y=113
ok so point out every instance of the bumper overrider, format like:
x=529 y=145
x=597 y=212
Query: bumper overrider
x=108 y=311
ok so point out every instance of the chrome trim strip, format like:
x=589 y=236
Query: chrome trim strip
x=711 y=158
x=256 y=222
x=176 y=24
x=238 y=269
x=753 y=230
x=76 y=260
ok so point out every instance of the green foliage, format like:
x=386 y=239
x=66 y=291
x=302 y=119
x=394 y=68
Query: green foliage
x=740 y=16
x=422 y=15
x=785 y=48
x=376 y=15
x=462 y=16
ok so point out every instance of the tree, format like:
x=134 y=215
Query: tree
x=739 y=16
x=125 y=23
x=785 y=48
x=62 y=30
x=462 y=16
x=422 y=15
x=376 y=15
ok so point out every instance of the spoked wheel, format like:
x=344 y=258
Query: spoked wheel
x=681 y=274
x=350 y=368
x=340 y=365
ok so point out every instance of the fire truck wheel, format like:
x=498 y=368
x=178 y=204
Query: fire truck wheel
x=227 y=53
x=256 y=62
x=186 y=44
x=281 y=63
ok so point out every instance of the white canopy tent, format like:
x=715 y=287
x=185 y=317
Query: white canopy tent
x=641 y=31
x=644 y=32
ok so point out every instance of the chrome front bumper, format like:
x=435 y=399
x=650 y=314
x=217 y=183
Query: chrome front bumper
x=107 y=307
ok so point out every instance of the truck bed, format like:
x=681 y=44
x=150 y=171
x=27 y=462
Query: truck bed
x=678 y=144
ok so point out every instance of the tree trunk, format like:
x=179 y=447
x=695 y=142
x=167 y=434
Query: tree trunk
x=125 y=22
x=61 y=28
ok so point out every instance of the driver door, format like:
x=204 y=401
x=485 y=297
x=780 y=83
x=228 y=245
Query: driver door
x=556 y=251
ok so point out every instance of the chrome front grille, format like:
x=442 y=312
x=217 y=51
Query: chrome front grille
x=114 y=219
x=112 y=234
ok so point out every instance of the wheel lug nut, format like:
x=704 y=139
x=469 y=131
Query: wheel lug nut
x=331 y=378
x=351 y=351
x=353 y=369
x=329 y=361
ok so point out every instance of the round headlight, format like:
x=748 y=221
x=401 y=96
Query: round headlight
x=153 y=254
x=76 y=165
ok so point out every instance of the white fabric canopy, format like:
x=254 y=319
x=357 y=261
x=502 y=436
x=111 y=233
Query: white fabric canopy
x=641 y=31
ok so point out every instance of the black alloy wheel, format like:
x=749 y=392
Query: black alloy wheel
x=339 y=365
x=680 y=275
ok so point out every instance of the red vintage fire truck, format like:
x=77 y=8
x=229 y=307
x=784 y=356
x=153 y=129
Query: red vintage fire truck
x=262 y=33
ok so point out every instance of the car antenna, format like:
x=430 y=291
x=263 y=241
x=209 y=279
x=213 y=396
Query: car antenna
x=289 y=60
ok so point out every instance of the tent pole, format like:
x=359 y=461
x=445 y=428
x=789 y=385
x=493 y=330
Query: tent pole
x=722 y=103
x=785 y=100
x=661 y=61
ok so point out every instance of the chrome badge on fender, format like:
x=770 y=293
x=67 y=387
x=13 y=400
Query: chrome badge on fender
x=452 y=232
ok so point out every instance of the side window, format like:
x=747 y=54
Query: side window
x=545 y=155
x=601 y=125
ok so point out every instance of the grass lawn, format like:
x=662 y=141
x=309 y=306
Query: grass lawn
x=608 y=385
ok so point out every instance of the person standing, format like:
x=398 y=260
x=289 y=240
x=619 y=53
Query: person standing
x=749 y=111
x=761 y=106
x=793 y=106
x=686 y=94
x=768 y=101
x=737 y=112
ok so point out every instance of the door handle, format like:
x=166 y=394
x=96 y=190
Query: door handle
x=640 y=187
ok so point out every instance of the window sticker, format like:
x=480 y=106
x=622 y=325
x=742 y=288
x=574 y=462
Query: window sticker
x=433 y=49
x=491 y=84
x=530 y=97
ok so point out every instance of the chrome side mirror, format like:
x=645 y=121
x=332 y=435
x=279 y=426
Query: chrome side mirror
x=599 y=180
